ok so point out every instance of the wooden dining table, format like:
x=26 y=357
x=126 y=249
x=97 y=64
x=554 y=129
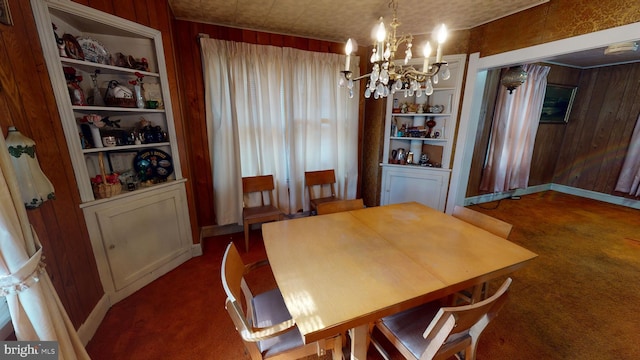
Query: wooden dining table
x=341 y=272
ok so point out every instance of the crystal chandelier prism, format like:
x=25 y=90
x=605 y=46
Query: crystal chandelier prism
x=389 y=75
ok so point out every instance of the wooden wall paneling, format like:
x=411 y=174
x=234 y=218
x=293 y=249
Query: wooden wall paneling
x=550 y=136
x=234 y=34
x=125 y=9
x=599 y=128
x=290 y=41
x=276 y=40
x=581 y=149
x=160 y=18
x=142 y=9
x=586 y=166
x=192 y=88
x=622 y=128
x=372 y=140
x=604 y=132
x=314 y=45
x=263 y=38
x=573 y=133
x=102 y=5
x=249 y=36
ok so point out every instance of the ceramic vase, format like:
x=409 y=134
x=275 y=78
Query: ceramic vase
x=138 y=94
x=95 y=136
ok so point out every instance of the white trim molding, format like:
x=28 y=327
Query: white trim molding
x=90 y=326
x=617 y=200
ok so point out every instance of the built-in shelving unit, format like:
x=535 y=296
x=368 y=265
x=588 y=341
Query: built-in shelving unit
x=144 y=231
x=418 y=140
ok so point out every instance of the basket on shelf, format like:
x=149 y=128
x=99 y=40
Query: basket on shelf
x=119 y=95
x=105 y=190
x=120 y=102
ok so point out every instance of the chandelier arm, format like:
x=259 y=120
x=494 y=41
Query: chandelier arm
x=348 y=75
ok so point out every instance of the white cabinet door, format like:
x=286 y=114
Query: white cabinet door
x=403 y=184
x=137 y=241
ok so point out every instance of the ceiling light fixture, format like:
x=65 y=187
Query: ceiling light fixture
x=513 y=78
x=388 y=75
x=624 y=47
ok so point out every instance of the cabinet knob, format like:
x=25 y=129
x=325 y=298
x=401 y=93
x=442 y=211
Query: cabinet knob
x=111 y=247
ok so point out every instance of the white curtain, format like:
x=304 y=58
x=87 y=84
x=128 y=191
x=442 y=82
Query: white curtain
x=278 y=111
x=36 y=311
x=513 y=133
x=629 y=179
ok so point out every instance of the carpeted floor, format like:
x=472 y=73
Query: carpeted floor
x=576 y=300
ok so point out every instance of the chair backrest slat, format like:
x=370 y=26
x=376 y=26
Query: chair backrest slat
x=483 y=221
x=320 y=177
x=258 y=184
x=232 y=273
x=340 y=205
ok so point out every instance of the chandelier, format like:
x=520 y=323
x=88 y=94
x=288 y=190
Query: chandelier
x=389 y=75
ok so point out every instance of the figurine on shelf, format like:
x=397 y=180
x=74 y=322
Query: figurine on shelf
x=430 y=124
x=96 y=98
x=61 y=51
x=73 y=84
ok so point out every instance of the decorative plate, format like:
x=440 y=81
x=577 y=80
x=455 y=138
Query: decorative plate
x=72 y=48
x=93 y=50
x=153 y=164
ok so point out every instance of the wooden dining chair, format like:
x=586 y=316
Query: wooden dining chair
x=483 y=221
x=490 y=224
x=263 y=185
x=339 y=205
x=263 y=321
x=321 y=180
x=449 y=330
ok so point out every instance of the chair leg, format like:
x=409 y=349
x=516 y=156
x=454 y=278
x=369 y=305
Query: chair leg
x=336 y=350
x=246 y=236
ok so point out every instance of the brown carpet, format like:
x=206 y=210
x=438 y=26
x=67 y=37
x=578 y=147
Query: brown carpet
x=576 y=300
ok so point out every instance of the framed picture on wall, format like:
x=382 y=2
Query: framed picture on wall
x=557 y=103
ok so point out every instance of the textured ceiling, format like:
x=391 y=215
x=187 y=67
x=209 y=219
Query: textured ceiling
x=337 y=20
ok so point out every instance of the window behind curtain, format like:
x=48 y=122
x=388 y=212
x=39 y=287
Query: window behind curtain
x=276 y=111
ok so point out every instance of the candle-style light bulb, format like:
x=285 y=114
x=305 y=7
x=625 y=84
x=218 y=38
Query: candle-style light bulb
x=348 y=49
x=442 y=37
x=381 y=34
x=426 y=52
